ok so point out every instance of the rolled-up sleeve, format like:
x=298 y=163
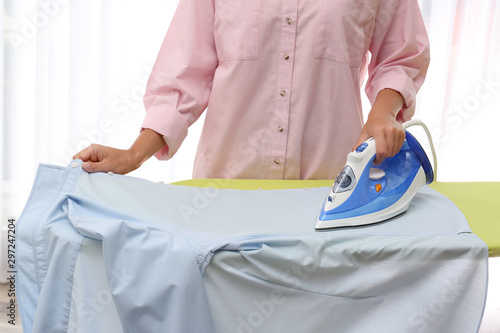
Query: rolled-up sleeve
x=179 y=87
x=400 y=52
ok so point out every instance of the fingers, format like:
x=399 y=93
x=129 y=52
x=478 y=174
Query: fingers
x=94 y=158
x=383 y=146
x=95 y=167
x=91 y=153
x=388 y=141
x=98 y=158
x=389 y=137
x=402 y=138
x=84 y=155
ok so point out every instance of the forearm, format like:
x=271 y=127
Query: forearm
x=388 y=102
x=146 y=145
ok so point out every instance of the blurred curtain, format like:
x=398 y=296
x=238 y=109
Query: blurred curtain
x=74 y=74
x=460 y=97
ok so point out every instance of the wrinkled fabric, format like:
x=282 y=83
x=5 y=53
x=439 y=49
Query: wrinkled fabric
x=280 y=80
x=113 y=253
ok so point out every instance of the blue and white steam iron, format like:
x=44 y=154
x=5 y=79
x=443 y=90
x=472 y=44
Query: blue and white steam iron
x=364 y=193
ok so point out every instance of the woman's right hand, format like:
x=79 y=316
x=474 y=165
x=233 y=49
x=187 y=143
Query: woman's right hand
x=98 y=158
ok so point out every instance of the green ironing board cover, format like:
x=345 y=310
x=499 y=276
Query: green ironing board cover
x=478 y=201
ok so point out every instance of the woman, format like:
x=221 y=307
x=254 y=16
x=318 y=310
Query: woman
x=281 y=84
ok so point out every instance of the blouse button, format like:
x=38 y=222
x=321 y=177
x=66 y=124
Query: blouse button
x=283 y=93
x=280 y=128
x=277 y=161
x=286 y=56
x=289 y=21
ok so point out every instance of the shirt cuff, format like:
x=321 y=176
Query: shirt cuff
x=171 y=125
x=402 y=84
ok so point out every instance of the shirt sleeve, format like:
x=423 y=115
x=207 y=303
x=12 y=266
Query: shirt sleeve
x=180 y=83
x=400 y=53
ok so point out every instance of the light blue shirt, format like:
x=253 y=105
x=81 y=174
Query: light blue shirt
x=101 y=253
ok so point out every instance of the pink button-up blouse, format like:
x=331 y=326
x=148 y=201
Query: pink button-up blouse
x=280 y=81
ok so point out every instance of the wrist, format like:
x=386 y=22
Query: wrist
x=382 y=113
x=388 y=102
x=136 y=157
x=146 y=145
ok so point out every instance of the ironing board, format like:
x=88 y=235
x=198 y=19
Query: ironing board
x=478 y=201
